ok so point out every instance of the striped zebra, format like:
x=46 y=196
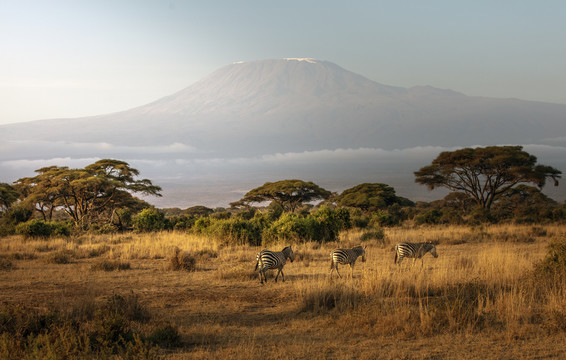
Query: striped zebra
x=267 y=260
x=414 y=251
x=346 y=256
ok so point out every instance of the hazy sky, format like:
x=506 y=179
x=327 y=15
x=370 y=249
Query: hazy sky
x=76 y=58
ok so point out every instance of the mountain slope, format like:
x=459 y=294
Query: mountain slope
x=290 y=105
x=244 y=120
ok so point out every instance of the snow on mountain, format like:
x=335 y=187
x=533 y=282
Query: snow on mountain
x=258 y=113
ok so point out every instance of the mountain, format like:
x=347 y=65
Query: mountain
x=246 y=119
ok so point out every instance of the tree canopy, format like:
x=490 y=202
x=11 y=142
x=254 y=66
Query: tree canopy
x=8 y=196
x=484 y=174
x=287 y=193
x=84 y=194
x=370 y=196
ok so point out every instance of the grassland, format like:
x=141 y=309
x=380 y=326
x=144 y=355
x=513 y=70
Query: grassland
x=480 y=299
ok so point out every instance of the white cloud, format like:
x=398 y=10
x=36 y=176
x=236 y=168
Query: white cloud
x=37 y=164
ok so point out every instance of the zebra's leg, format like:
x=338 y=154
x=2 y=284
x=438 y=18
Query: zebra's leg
x=264 y=276
x=276 y=276
x=331 y=268
x=351 y=270
x=336 y=266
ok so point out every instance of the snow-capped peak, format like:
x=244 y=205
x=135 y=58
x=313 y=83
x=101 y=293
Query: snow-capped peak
x=309 y=60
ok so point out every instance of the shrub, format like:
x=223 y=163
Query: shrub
x=149 y=219
x=181 y=260
x=6 y=264
x=385 y=218
x=38 y=334
x=360 y=221
x=328 y=297
x=61 y=257
x=127 y=306
x=33 y=228
x=432 y=216
x=109 y=265
x=37 y=228
x=166 y=337
x=236 y=231
x=201 y=225
x=373 y=234
x=552 y=269
x=321 y=226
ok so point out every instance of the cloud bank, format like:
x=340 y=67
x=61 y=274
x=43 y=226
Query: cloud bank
x=189 y=176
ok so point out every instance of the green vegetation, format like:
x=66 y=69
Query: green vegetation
x=485 y=174
x=489 y=186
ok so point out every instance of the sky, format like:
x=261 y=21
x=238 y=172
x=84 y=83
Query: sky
x=73 y=58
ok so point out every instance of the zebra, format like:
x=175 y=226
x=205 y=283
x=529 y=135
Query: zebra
x=346 y=256
x=413 y=250
x=266 y=260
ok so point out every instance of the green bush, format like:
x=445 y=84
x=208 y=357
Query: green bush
x=38 y=228
x=202 y=224
x=236 y=231
x=373 y=234
x=430 y=217
x=322 y=225
x=361 y=222
x=149 y=219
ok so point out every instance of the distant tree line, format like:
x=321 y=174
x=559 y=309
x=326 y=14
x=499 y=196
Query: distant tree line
x=492 y=184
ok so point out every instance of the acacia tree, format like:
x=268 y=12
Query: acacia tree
x=370 y=197
x=289 y=194
x=484 y=174
x=85 y=193
x=41 y=192
x=8 y=196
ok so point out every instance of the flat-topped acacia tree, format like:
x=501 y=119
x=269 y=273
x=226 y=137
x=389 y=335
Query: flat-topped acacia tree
x=85 y=193
x=289 y=194
x=484 y=174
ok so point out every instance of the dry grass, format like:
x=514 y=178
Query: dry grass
x=478 y=298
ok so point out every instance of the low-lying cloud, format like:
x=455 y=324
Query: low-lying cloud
x=190 y=177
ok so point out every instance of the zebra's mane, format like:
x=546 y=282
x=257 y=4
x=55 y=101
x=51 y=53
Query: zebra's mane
x=359 y=250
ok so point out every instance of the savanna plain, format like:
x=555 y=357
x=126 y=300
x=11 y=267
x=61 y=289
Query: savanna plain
x=182 y=296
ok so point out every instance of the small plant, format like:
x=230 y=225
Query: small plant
x=328 y=297
x=166 y=337
x=552 y=269
x=127 y=306
x=181 y=260
x=61 y=257
x=6 y=264
x=109 y=265
x=373 y=234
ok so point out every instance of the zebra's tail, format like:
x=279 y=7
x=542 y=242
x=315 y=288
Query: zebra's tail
x=396 y=254
x=256 y=262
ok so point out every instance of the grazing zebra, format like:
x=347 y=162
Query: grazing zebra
x=346 y=256
x=267 y=260
x=413 y=250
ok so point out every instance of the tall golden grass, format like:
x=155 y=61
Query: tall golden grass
x=483 y=282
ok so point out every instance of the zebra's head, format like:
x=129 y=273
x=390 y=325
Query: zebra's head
x=362 y=252
x=289 y=253
x=433 y=250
